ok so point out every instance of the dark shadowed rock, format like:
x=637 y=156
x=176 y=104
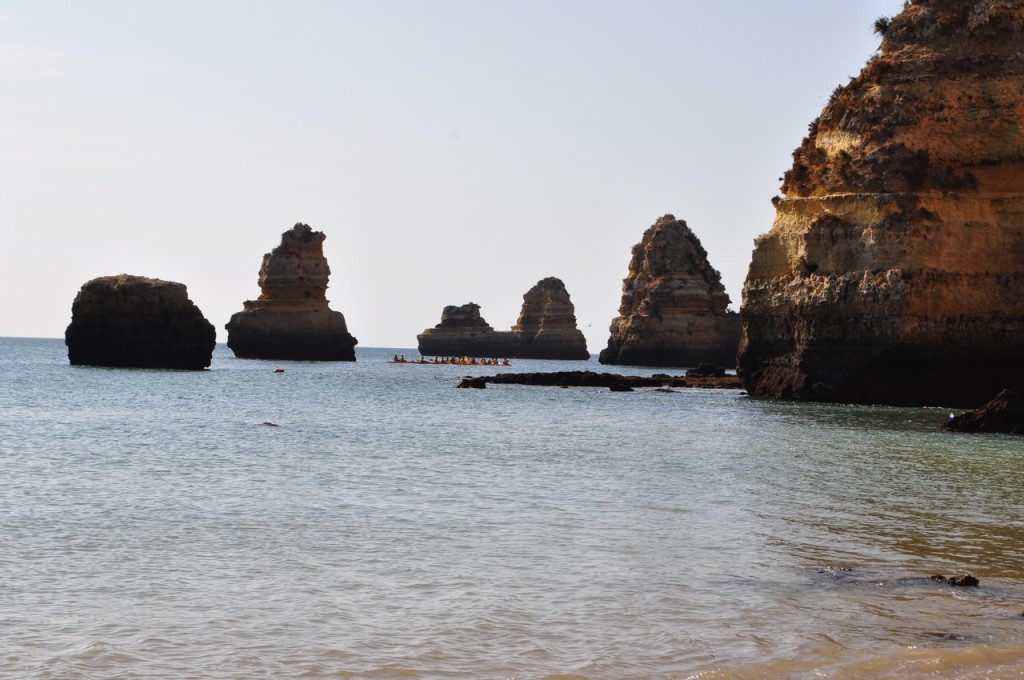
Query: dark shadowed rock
x=1005 y=413
x=291 y=318
x=593 y=379
x=705 y=370
x=960 y=581
x=138 y=322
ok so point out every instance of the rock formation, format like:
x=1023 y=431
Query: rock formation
x=137 y=322
x=892 y=273
x=592 y=379
x=1005 y=413
x=673 y=310
x=546 y=329
x=463 y=332
x=291 y=318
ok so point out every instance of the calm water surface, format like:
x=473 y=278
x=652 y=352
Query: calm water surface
x=391 y=526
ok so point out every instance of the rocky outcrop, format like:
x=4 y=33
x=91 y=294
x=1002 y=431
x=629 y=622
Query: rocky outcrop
x=674 y=306
x=463 y=332
x=892 y=273
x=546 y=329
x=1005 y=413
x=137 y=322
x=291 y=318
x=592 y=379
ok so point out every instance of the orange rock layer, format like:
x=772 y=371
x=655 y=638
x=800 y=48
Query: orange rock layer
x=893 y=271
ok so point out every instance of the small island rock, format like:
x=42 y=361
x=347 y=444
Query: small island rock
x=138 y=322
x=546 y=329
x=674 y=306
x=291 y=319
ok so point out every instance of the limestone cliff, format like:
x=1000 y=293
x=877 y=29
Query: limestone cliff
x=291 y=318
x=892 y=273
x=673 y=310
x=546 y=329
x=138 y=322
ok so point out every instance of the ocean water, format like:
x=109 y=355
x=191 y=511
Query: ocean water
x=388 y=525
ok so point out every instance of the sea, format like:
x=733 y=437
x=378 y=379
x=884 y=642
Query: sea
x=370 y=520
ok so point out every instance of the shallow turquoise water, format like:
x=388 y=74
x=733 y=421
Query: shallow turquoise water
x=390 y=525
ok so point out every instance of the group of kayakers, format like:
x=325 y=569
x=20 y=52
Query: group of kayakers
x=452 y=361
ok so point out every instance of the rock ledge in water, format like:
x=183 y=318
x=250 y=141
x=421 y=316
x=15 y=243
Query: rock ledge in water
x=609 y=380
x=1005 y=413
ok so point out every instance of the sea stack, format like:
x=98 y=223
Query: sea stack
x=892 y=273
x=546 y=329
x=291 y=318
x=674 y=306
x=463 y=332
x=137 y=322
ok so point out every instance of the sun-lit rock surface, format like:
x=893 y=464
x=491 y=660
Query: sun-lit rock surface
x=673 y=310
x=893 y=272
x=138 y=322
x=291 y=318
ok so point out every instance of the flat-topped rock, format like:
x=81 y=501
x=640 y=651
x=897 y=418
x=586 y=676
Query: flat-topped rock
x=138 y=322
x=674 y=306
x=291 y=318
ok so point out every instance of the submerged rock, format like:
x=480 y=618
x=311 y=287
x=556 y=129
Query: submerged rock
x=892 y=272
x=673 y=310
x=960 y=581
x=138 y=322
x=1005 y=413
x=546 y=329
x=291 y=318
x=705 y=370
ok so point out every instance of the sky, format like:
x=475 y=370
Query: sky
x=452 y=151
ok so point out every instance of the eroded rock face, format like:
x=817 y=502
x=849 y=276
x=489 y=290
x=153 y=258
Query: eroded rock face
x=546 y=329
x=291 y=318
x=673 y=310
x=463 y=332
x=892 y=273
x=137 y=322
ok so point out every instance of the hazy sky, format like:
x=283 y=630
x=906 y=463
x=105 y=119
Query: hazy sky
x=452 y=151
